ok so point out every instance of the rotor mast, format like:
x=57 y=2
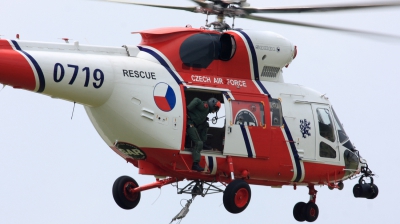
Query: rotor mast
x=222 y=9
x=220 y=24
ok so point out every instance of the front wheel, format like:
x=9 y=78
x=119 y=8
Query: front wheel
x=311 y=212
x=299 y=212
x=237 y=196
x=122 y=195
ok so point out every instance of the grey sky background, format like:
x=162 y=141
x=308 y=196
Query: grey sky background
x=57 y=170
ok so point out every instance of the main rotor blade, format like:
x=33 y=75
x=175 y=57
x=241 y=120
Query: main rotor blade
x=203 y=3
x=288 y=22
x=321 y=8
x=188 y=8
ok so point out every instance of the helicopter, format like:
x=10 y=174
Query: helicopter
x=254 y=117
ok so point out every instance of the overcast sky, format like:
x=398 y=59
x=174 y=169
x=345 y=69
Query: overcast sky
x=57 y=170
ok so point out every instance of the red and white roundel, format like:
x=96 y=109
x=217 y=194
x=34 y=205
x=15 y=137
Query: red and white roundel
x=164 y=97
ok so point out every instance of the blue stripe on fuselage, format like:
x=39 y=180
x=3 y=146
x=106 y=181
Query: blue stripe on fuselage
x=162 y=62
x=210 y=163
x=246 y=141
x=39 y=71
x=253 y=54
x=265 y=91
x=294 y=151
x=255 y=62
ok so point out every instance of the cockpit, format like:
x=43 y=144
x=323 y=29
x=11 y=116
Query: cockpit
x=327 y=126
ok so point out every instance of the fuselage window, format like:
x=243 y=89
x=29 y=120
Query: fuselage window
x=248 y=113
x=350 y=161
x=326 y=129
x=326 y=151
x=276 y=112
x=341 y=133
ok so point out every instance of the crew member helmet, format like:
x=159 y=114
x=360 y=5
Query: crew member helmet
x=214 y=104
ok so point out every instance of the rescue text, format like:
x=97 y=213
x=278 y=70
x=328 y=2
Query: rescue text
x=139 y=74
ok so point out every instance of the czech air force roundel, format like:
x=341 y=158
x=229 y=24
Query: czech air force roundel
x=164 y=97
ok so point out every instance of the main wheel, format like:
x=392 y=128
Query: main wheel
x=237 y=196
x=311 y=212
x=121 y=194
x=299 y=211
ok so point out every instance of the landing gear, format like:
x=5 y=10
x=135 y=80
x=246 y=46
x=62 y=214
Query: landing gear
x=237 y=196
x=298 y=212
x=307 y=211
x=339 y=186
x=126 y=190
x=311 y=211
x=122 y=195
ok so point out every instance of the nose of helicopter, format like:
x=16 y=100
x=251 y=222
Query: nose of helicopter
x=15 y=69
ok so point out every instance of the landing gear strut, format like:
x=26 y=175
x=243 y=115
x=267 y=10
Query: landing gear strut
x=126 y=191
x=307 y=211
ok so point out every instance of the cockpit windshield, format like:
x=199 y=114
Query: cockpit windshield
x=342 y=134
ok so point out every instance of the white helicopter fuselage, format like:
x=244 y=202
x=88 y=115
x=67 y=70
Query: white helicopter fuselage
x=137 y=96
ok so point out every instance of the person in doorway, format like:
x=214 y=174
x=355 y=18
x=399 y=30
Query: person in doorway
x=197 y=125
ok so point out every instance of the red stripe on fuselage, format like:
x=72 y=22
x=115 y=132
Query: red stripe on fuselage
x=239 y=65
x=322 y=173
x=14 y=68
x=181 y=87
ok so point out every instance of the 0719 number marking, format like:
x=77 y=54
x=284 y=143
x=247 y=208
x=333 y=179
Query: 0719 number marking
x=59 y=73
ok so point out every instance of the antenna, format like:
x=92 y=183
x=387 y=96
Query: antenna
x=66 y=39
x=207 y=20
x=73 y=109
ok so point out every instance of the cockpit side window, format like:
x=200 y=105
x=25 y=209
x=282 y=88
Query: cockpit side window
x=341 y=133
x=326 y=129
x=276 y=112
x=326 y=151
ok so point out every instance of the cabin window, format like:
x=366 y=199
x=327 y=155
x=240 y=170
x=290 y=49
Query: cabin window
x=326 y=151
x=276 y=112
x=341 y=133
x=326 y=129
x=350 y=161
x=248 y=113
x=199 y=50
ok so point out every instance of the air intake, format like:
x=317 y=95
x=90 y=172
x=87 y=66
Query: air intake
x=269 y=71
